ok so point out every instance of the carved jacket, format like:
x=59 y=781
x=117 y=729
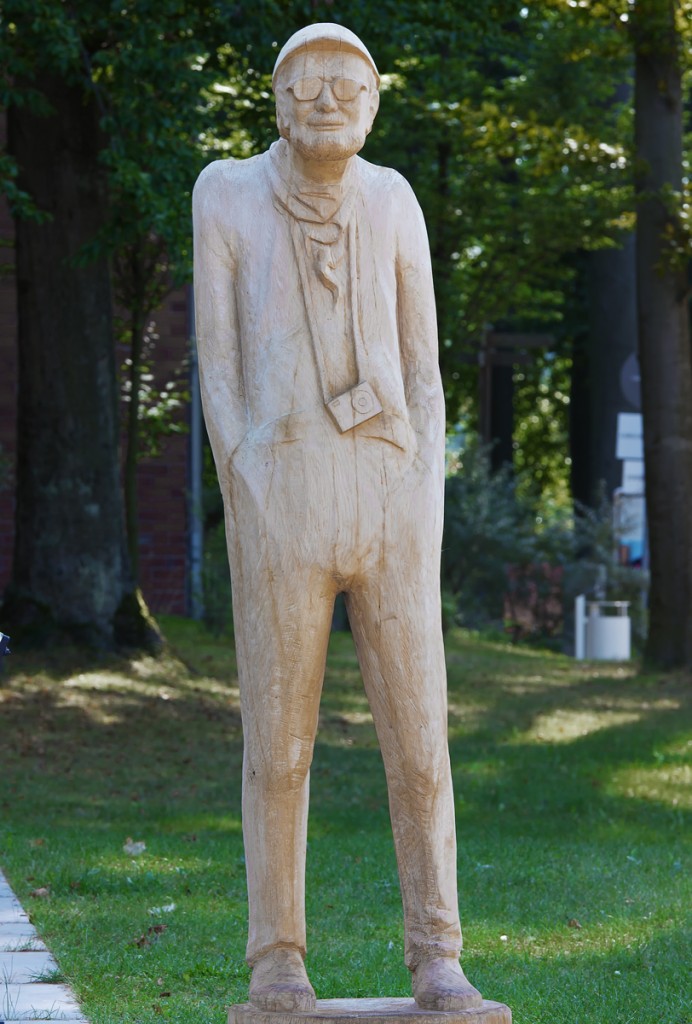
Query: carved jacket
x=258 y=323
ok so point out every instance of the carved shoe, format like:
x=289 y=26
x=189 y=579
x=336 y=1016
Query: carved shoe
x=440 y=984
x=279 y=982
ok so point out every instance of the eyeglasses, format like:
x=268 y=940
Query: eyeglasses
x=344 y=89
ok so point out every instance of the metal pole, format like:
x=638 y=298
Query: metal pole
x=579 y=626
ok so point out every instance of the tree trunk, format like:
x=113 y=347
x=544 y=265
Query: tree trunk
x=70 y=575
x=137 y=324
x=502 y=417
x=612 y=338
x=580 y=441
x=665 y=354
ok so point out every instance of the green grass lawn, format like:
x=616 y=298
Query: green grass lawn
x=573 y=803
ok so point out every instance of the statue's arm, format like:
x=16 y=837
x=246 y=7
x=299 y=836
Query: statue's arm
x=417 y=322
x=218 y=343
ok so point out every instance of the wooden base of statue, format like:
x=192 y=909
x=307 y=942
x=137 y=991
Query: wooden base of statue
x=371 y=1011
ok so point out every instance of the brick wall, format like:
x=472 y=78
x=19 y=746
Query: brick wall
x=163 y=483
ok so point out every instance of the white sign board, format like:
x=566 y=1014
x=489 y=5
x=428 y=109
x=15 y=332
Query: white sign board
x=630 y=443
x=632 y=476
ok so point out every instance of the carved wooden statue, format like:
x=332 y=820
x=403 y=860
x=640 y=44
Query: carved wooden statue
x=318 y=359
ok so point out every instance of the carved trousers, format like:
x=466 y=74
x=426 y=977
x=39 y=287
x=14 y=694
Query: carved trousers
x=358 y=516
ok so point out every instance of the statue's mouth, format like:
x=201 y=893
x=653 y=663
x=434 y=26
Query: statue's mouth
x=326 y=126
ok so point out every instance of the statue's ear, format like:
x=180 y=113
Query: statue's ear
x=283 y=122
x=374 y=107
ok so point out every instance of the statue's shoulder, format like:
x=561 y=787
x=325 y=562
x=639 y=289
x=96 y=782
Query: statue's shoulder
x=230 y=180
x=384 y=183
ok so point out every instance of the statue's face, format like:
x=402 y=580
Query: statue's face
x=326 y=102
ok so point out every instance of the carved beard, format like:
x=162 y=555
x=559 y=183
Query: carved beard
x=315 y=145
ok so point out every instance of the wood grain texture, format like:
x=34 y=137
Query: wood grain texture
x=372 y=1011
x=322 y=395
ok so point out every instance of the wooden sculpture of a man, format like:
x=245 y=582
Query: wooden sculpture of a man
x=318 y=359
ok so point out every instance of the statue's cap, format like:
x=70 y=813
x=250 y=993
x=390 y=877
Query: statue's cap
x=324 y=36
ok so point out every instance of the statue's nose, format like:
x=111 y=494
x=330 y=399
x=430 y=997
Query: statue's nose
x=326 y=99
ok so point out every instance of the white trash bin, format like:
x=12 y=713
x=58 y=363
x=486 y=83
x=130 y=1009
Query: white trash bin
x=608 y=631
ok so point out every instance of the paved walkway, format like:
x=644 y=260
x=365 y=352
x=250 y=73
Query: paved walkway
x=23 y=958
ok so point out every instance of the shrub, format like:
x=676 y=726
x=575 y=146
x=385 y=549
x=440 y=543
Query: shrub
x=487 y=529
x=506 y=563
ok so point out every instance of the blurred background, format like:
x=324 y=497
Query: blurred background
x=548 y=144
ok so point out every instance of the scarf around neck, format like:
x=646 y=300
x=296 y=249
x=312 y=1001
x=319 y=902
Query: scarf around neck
x=322 y=210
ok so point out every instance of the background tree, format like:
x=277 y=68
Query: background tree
x=68 y=571
x=150 y=108
x=97 y=101
x=501 y=115
x=662 y=47
x=515 y=109
x=504 y=116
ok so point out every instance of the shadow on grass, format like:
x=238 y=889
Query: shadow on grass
x=166 y=737
x=560 y=820
x=169 y=747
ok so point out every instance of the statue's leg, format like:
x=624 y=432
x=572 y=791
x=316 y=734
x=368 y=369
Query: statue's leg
x=396 y=620
x=399 y=642
x=282 y=615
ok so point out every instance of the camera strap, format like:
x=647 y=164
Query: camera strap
x=359 y=403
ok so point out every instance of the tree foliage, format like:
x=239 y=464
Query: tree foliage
x=124 y=78
x=665 y=343
x=513 y=122
x=510 y=122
